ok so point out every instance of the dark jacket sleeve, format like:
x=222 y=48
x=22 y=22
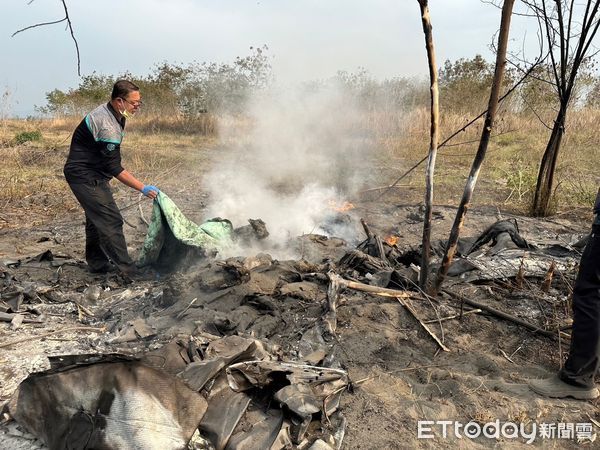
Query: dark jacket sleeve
x=111 y=157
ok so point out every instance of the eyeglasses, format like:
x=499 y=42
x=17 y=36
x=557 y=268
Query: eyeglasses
x=134 y=104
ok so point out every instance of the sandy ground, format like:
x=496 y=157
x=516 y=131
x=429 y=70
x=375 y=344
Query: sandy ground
x=400 y=375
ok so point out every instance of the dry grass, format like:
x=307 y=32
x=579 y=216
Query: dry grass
x=31 y=168
x=31 y=175
x=31 y=178
x=509 y=173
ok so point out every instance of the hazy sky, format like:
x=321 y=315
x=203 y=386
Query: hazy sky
x=308 y=39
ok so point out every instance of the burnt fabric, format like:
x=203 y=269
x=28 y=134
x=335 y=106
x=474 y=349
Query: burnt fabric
x=225 y=409
x=249 y=400
x=584 y=354
x=261 y=434
x=104 y=239
x=171 y=235
x=115 y=405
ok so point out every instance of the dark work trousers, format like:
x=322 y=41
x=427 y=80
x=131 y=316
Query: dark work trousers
x=584 y=355
x=104 y=239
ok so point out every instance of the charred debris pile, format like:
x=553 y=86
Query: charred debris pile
x=240 y=353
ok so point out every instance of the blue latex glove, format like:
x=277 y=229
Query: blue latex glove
x=149 y=188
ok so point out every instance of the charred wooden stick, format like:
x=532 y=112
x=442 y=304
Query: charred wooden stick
x=333 y=291
x=482 y=149
x=454 y=316
x=378 y=243
x=381 y=250
x=82 y=308
x=8 y=317
x=506 y=356
x=409 y=308
x=384 y=187
x=367 y=229
x=433 y=141
x=182 y=313
x=336 y=282
x=505 y=316
x=547 y=283
x=356 y=258
x=384 y=292
x=520 y=278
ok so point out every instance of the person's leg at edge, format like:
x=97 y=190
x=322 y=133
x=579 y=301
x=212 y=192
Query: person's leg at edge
x=584 y=354
x=576 y=379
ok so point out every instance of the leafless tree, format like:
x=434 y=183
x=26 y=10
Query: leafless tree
x=483 y=144
x=568 y=28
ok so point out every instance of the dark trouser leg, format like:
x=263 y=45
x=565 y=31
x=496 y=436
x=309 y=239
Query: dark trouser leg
x=102 y=213
x=94 y=255
x=584 y=355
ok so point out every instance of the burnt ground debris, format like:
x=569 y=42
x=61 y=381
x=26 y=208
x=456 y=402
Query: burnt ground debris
x=396 y=370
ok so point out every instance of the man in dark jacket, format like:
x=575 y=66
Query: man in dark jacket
x=576 y=378
x=94 y=159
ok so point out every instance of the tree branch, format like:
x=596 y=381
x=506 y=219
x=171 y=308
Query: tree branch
x=569 y=24
x=69 y=25
x=536 y=114
x=563 y=43
x=73 y=37
x=549 y=37
x=38 y=25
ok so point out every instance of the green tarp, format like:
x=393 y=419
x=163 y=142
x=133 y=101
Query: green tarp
x=171 y=234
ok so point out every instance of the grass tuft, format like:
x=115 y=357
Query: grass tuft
x=27 y=136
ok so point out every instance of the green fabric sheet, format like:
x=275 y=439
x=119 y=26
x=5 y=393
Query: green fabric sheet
x=170 y=227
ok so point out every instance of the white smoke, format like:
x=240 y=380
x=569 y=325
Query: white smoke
x=299 y=155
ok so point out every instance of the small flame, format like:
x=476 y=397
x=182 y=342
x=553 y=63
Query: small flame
x=343 y=207
x=392 y=240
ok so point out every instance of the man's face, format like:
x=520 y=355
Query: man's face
x=131 y=103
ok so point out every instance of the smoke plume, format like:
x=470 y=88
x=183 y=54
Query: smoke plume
x=293 y=159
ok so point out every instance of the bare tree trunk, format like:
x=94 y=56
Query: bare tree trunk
x=545 y=179
x=483 y=144
x=433 y=143
x=571 y=41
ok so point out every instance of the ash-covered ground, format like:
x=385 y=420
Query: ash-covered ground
x=399 y=374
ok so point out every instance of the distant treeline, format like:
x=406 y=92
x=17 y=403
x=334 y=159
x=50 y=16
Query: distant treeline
x=188 y=90
x=198 y=88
